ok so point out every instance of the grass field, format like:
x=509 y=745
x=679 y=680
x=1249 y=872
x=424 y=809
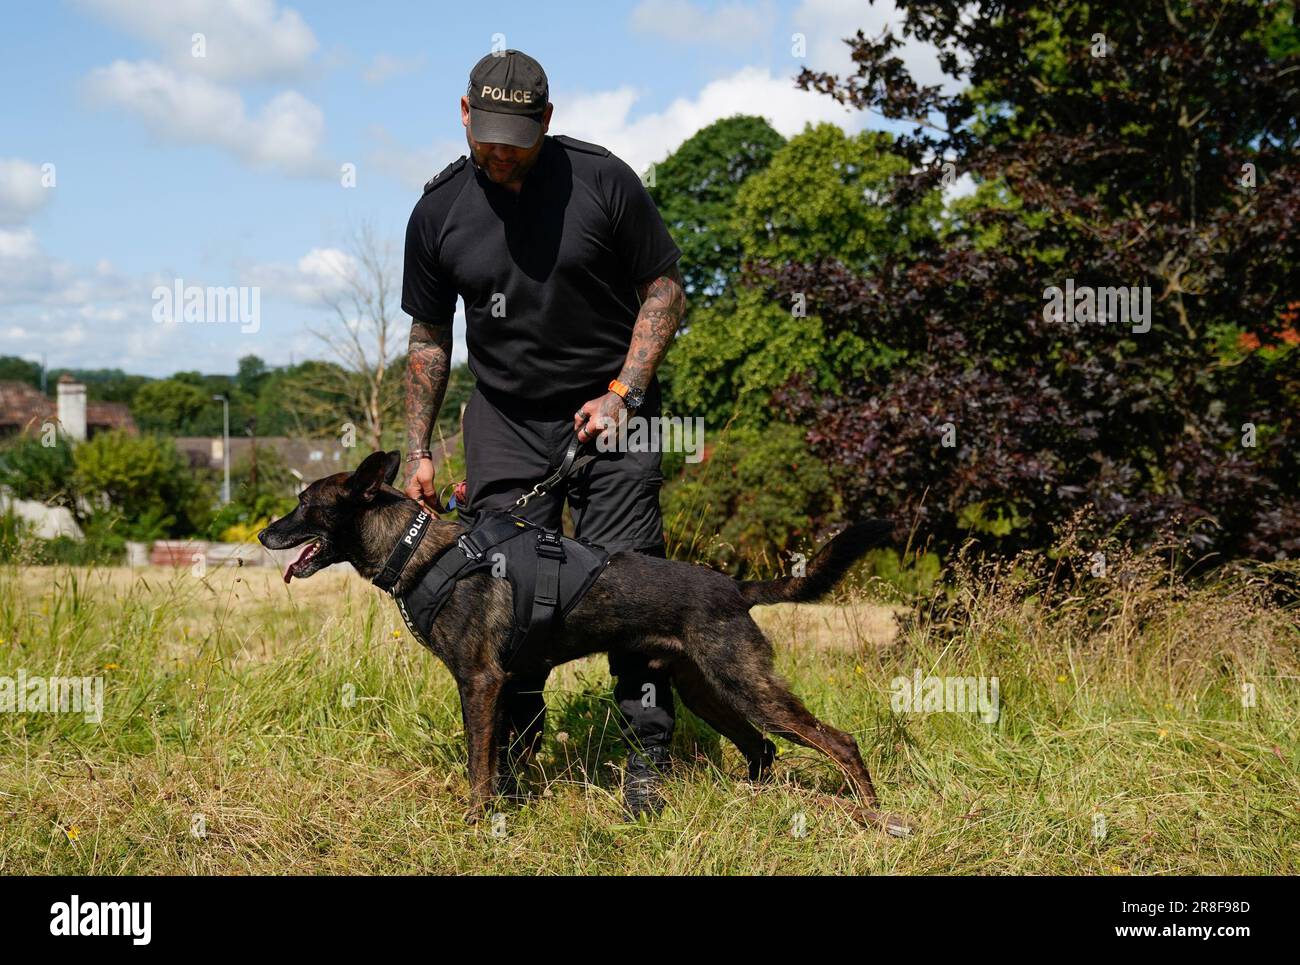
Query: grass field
x=250 y=728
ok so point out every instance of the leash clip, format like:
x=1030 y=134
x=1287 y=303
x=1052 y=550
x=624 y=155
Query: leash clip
x=523 y=500
x=571 y=463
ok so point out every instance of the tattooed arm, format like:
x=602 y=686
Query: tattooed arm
x=663 y=303
x=428 y=366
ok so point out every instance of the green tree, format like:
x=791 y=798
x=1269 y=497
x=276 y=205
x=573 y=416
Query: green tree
x=816 y=200
x=695 y=189
x=169 y=406
x=759 y=491
x=1142 y=149
x=312 y=398
x=460 y=385
x=145 y=481
x=31 y=470
x=15 y=369
x=252 y=373
x=826 y=195
x=258 y=495
x=102 y=385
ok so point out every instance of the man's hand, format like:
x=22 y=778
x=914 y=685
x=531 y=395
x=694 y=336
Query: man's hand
x=599 y=417
x=420 y=486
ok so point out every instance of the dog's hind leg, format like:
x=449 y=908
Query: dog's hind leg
x=737 y=660
x=786 y=716
x=480 y=708
x=697 y=693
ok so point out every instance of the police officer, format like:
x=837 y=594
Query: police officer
x=572 y=296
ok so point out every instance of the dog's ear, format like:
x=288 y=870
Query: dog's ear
x=375 y=470
x=394 y=466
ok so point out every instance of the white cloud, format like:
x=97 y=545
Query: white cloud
x=827 y=23
x=604 y=118
x=963 y=186
x=19 y=244
x=385 y=66
x=21 y=191
x=28 y=272
x=314 y=277
x=284 y=135
x=311 y=280
x=243 y=40
x=78 y=318
x=101 y=316
x=681 y=21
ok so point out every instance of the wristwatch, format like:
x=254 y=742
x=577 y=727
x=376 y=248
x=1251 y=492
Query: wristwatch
x=633 y=398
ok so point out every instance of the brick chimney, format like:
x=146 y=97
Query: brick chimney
x=72 y=407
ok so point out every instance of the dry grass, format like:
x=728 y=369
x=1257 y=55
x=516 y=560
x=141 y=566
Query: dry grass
x=312 y=735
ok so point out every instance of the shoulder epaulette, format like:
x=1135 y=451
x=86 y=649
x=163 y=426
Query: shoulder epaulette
x=584 y=146
x=445 y=175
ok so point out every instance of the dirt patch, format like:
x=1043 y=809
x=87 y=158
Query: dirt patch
x=829 y=626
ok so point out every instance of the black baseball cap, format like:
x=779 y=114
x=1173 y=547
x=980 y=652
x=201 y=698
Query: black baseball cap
x=507 y=95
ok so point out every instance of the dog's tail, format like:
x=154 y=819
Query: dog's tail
x=824 y=570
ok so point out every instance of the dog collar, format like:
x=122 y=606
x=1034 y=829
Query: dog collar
x=402 y=552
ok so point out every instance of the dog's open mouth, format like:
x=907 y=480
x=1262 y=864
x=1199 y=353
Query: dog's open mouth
x=308 y=551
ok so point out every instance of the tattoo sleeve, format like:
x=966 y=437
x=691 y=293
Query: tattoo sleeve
x=428 y=366
x=663 y=303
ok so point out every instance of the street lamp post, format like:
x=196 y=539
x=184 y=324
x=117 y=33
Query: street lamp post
x=225 y=446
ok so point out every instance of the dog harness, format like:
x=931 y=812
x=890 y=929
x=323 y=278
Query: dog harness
x=548 y=573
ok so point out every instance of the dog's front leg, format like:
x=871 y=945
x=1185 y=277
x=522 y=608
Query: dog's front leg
x=480 y=708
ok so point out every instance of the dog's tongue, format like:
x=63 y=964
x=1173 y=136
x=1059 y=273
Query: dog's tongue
x=307 y=553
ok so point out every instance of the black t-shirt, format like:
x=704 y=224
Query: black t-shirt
x=548 y=275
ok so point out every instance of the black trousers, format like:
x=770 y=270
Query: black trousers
x=614 y=502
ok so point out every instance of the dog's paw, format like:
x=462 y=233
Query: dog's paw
x=761 y=765
x=892 y=824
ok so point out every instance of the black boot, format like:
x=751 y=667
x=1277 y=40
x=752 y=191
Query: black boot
x=643 y=780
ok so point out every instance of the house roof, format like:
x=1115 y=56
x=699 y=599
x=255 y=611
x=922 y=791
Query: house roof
x=23 y=408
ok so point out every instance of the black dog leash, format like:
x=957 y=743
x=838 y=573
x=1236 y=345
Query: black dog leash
x=571 y=463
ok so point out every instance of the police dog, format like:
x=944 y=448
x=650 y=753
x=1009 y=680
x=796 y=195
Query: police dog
x=692 y=619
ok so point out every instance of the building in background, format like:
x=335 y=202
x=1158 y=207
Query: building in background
x=25 y=410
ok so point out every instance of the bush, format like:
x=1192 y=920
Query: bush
x=1001 y=419
x=31 y=470
x=758 y=492
x=145 y=482
x=103 y=544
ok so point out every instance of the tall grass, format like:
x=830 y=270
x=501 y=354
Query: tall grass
x=254 y=728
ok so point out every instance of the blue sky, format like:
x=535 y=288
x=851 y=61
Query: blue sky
x=224 y=170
